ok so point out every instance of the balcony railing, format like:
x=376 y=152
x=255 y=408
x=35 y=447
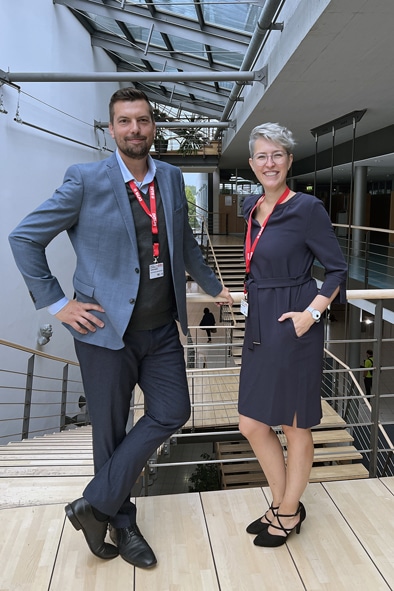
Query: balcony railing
x=40 y=393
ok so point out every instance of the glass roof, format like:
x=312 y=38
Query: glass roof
x=174 y=36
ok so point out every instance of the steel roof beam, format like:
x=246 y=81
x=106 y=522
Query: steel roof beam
x=177 y=26
x=180 y=124
x=176 y=60
x=177 y=101
x=250 y=76
x=201 y=92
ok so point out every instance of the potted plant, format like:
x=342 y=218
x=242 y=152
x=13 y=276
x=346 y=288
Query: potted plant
x=190 y=140
x=205 y=477
x=161 y=140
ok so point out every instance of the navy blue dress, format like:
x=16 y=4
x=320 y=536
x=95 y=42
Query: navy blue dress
x=281 y=373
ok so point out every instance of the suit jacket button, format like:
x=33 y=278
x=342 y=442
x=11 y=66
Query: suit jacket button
x=132 y=301
x=137 y=270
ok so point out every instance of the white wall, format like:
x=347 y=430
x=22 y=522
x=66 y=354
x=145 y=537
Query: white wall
x=42 y=37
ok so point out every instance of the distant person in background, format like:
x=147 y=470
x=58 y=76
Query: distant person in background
x=82 y=418
x=208 y=320
x=368 y=363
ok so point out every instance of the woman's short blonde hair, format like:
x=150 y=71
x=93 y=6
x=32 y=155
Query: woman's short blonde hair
x=272 y=132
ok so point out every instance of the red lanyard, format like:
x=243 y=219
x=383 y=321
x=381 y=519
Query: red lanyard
x=249 y=247
x=150 y=212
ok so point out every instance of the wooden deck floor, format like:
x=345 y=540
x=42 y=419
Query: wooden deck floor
x=346 y=542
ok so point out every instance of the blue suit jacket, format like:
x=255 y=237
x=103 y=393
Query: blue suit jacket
x=92 y=205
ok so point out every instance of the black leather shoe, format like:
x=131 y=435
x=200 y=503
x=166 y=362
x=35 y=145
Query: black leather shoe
x=132 y=546
x=81 y=516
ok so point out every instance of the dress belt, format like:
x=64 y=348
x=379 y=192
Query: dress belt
x=252 y=287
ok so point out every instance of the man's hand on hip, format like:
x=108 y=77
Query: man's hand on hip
x=77 y=315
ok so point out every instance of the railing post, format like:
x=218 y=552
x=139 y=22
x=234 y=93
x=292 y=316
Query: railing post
x=28 y=395
x=375 y=401
x=193 y=400
x=366 y=260
x=63 y=403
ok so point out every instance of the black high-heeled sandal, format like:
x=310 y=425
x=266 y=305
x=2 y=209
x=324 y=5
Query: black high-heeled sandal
x=257 y=525
x=268 y=540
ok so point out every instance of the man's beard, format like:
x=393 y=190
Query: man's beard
x=137 y=152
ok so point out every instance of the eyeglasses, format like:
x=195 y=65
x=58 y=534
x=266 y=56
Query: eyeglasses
x=276 y=157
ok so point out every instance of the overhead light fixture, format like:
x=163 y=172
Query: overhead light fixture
x=338 y=123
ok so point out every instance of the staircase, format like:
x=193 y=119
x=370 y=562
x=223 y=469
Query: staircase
x=230 y=259
x=335 y=458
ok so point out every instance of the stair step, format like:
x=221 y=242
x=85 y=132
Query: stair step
x=318 y=474
x=335 y=462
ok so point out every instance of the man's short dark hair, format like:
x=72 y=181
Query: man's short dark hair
x=369 y=352
x=128 y=94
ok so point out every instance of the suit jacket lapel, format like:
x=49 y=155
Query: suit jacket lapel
x=122 y=198
x=167 y=201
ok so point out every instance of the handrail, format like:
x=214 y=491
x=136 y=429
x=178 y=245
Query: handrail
x=366 y=228
x=351 y=294
x=202 y=297
x=217 y=266
x=36 y=352
x=360 y=392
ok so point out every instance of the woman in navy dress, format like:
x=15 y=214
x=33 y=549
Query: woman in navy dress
x=280 y=382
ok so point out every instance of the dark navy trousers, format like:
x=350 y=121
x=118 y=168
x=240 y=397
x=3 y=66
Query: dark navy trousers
x=155 y=360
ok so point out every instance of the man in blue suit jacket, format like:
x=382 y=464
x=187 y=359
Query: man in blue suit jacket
x=127 y=220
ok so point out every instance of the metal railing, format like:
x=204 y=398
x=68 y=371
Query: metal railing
x=38 y=391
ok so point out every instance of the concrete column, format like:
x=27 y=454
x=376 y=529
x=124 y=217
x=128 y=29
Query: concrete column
x=292 y=183
x=359 y=208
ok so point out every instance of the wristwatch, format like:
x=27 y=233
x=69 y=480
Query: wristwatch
x=316 y=315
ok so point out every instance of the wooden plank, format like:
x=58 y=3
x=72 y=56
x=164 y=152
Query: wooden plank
x=43 y=445
x=241 y=565
x=326 y=437
x=174 y=526
x=45 y=454
x=330 y=417
x=246 y=480
x=232 y=448
x=321 y=454
x=338 y=472
x=77 y=569
x=371 y=519
x=240 y=467
x=331 y=436
x=318 y=474
x=389 y=482
x=59 y=470
x=29 y=538
x=327 y=554
x=43 y=461
x=341 y=453
x=16 y=492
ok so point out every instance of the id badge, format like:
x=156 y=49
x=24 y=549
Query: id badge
x=244 y=308
x=156 y=270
